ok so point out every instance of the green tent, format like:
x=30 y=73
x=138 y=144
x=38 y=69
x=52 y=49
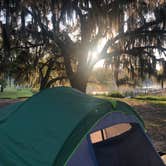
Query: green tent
x=48 y=128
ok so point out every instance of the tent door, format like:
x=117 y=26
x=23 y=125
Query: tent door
x=129 y=148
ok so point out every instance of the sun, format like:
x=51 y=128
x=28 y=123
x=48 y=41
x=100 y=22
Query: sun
x=99 y=64
x=95 y=52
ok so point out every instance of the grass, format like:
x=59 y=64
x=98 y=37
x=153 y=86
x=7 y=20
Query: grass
x=155 y=100
x=158 y=101
x=12 y=93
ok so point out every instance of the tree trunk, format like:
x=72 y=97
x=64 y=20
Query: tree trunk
x=79 y=78
x=116 y=71
x=79 y=84
x=79 y=81
x=43 y=84
x=2 y=89
x=162 y=84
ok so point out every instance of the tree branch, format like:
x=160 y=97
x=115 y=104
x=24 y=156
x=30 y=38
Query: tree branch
x=55 y=80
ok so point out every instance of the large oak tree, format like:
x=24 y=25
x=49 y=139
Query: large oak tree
x=82 y=32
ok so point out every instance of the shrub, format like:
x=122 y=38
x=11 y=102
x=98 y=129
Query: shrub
x=116 y=95
x=3 y=84
x=129 y=94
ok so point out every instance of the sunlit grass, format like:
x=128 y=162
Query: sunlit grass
x=12 y=93
x=157 y=103
x=155 y=100
x=158 y=98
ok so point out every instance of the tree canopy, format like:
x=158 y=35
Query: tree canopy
x=76 y=34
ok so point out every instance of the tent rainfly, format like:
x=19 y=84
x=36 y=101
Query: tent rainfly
x=62 y=126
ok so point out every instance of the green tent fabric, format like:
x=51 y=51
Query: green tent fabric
x=47 y=128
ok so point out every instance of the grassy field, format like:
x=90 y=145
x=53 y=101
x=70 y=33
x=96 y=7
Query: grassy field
x=155 y=100
x=12 y=93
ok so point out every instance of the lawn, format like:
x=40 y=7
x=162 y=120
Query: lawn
x=12 y=93
x=154 y=100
